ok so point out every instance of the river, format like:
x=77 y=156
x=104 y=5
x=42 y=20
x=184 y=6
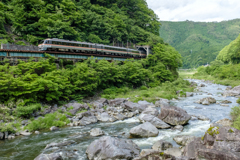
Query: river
x=29 y=147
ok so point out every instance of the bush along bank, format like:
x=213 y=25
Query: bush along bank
x=220 y=73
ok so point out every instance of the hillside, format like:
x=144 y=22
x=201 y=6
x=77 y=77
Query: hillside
x=94 y=21
x=199 y=42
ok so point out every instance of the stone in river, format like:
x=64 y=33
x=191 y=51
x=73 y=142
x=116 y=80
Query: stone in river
x=52 y=156
x=174 y=115
x=96 y=132
x=53 y=128
x=154 y=121
x=111 y=148
x=144 y=130
x=161 y=145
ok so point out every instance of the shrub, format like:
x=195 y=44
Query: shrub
x=235 y=113
x=26 y=111
x=238 y=100
x=52 y=119
x=143 y=88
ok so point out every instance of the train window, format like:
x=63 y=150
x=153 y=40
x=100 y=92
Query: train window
x=79 y=45
x=59 y=43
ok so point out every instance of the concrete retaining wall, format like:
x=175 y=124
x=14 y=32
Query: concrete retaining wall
x=19 y=47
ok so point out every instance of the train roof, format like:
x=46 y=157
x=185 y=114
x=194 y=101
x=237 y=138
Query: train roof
x=62 y=40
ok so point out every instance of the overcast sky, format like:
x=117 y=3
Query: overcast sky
x=195 y=10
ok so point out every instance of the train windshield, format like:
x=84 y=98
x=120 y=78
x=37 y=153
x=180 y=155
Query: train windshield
x=42 y=42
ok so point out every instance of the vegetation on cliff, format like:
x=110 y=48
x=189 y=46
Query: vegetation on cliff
x=199 y=42
x=94 y=21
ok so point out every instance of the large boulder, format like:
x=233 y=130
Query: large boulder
x=206 y=101
x=104 y=117
x=183 y=140
x=225 y=122
x=52 y=156
x=161 y=145
x=53 y=128
x=232 y=92
x=117 y=102
x=174 y=115
x=144 y=130
x=130 y=106
x=162 y=102
x=88 y=120
x=154 y=121
x=220 y=143
x=189 y=94
x=150 y=110
x=96 y=132
x=112 y=148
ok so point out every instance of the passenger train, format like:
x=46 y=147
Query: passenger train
x=55 y=44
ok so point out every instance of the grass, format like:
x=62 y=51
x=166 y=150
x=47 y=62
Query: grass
x=187 y=73
x=203 y=76
x=167 y=90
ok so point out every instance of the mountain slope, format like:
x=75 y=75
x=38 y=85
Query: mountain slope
x=199 y=42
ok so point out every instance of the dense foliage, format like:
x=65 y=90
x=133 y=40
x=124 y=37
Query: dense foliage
x=231 y=53
x=199 y=42
x=41 y=81
x=235 y=114
x=94 y=21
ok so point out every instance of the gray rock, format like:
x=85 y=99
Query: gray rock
x=150 y=110
x=96 y=132
x=174 y=151
x=52 y=156
x=225 y=122
x=174 y=115
x=61 y=144
x=83 y=114
x=218 y=143
x=226 y=102
x=104 y=117
x=6 y=135
x=88 y=120
x=24 y=122
x=161 y=145
x=145 y=104
x=119 y=116
x=154 y=121
x=232 y=92
x=202 y=118
x=97 y=104
x=103 y=101
x=224 y=105
x=178 y=127
x=25 y=133
x=162 y=102
x=145 y=152
x=117 y=102
x=202 y=85
x=53 y=128
x=106 y=148
x=144 y=130
x=1 y=135
x=189 y=94
x=183 y=140
x=206 y=101
x=37 y=132
x=130 y=106
x=229 y=88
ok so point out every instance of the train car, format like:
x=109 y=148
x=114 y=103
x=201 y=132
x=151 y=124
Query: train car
x=85 y=47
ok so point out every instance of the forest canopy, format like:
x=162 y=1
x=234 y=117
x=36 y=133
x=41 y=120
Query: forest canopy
x=97 y=21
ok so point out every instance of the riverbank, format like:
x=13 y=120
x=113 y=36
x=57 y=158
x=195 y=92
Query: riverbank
x=37 y=117
x=194 y=74
x=31 y=146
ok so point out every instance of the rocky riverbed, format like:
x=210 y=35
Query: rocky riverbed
x=127 y=130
